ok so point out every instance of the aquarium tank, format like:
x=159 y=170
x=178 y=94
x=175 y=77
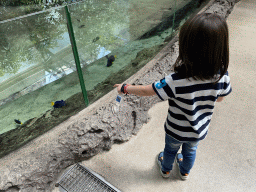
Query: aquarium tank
x=56 y=61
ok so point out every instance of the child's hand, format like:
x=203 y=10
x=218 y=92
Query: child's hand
x=119 y=86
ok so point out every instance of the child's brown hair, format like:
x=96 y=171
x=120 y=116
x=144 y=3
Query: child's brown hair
x=203 y=47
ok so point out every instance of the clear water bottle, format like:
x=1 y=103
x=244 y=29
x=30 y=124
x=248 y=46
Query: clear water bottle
x=116 y=106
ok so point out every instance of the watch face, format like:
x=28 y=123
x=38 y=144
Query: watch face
x=118 y=98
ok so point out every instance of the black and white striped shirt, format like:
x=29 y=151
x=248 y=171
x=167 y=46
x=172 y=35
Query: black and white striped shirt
x=191 y=104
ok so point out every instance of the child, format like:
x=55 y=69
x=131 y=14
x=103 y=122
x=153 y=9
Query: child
x=197 y=80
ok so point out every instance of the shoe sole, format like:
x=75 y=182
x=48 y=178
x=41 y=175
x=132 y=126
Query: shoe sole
x=181 y=176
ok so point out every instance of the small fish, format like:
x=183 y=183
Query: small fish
x=81 y=26
x=58 y=104
x=111 y=59
x=17 y=121
x=95 y=39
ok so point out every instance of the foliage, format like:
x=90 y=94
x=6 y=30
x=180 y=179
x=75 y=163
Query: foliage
x=28 y=40
x=30 y=2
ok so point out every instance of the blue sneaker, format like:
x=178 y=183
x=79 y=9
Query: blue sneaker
x=178 y=160
x=159 y=159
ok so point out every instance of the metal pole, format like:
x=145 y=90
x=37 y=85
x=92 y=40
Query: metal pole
x=173 y=19
x=75 y=52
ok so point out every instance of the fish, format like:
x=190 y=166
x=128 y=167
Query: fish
x=95 y=39
x=81 y=26
x=111 y=59
x=58 y=104
x=17 y=121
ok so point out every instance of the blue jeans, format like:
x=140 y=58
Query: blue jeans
x=188 y=151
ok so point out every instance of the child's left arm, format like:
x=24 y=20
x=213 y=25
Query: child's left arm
x=140 y=90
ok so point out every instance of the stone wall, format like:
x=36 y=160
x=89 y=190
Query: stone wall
x=90 y=132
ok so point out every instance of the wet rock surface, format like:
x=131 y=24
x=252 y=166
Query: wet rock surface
x=85 y=138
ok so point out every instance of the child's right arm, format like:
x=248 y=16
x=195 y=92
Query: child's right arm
x=140 y=90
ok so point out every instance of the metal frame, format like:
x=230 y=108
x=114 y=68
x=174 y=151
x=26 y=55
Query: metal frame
x=76 y=56
x=81 y=179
